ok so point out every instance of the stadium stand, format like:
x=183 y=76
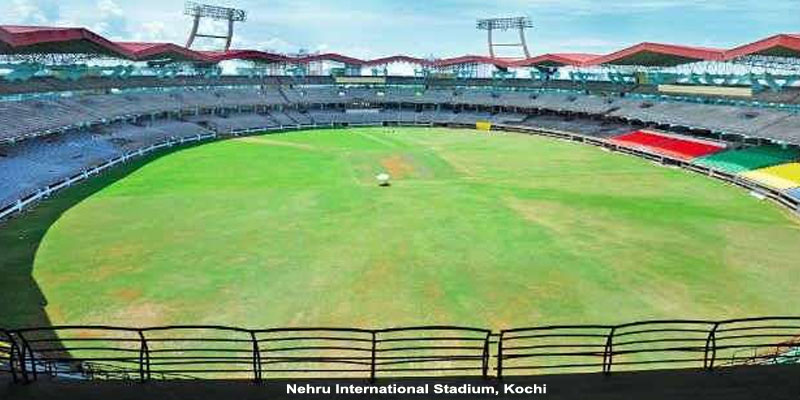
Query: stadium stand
x=235 y=122
x=27 y=118
x=84 y=122
x=31 y=165
x=781 y=177
x=56 y=132
x=749 y=158
x=589 y=127
x=682 y=148
x=111 y=123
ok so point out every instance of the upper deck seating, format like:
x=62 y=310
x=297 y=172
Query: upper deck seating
x=597 y=128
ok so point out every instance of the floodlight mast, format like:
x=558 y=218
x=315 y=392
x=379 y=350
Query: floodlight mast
x=199 y=11
x=519 y=23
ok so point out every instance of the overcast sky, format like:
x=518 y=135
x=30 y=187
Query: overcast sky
x=373 y=28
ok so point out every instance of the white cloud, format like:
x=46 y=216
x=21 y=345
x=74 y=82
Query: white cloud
x=416 y=27
x=35 y=12
x=110 y=20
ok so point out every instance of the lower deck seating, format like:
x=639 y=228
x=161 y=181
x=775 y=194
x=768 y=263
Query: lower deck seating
x=794 y=193
x=508 y=118
x=237 y=122
x=28 y=166
x=741 y=160
x=669 y=145
x=782 y=177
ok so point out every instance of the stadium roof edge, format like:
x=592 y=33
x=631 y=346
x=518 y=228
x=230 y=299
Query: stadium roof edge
x=782 y=44
x=650 y=53
x=397 y=59
x=471 y=59
x=218 y=56
x=145 y=51
x=20 y=39
x=558 y=59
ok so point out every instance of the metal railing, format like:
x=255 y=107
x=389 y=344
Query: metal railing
x=221 y=352
x=9 y=354
x=236 y=353
x=643 y=345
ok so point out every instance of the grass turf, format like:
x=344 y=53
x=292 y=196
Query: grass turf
x=477 y=229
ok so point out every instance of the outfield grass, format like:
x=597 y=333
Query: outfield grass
x=477 y=229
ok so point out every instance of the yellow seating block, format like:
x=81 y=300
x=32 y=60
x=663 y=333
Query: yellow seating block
x=784 y=176
x=483 y=126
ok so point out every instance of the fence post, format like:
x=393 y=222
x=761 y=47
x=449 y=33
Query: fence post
x=25 y=352
x=485 y=356
x=23 y=370
x=608 y=352
x=372 y=363
x=256 y=358
x=11 y=359
x=500 y=356
x=144 y=358
x=711 y=348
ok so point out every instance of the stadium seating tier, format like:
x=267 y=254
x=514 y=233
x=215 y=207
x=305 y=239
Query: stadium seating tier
x=747 y=159
x=668 y=145
x=781 y=177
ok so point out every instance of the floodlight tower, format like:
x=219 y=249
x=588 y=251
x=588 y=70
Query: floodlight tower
x=519 y=23
x=199 y=11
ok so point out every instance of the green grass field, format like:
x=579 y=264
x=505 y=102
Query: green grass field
x=477 y=229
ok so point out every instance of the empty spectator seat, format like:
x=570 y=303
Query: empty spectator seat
x=782 y=177
x=741 y=160
x=683 y=148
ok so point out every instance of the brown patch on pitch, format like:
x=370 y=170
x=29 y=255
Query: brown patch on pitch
x=397 y=166
x=143 y=314
x=552 y=215
x=55 y=314
x=433 y=290
x=127 y=294
x=272 y=142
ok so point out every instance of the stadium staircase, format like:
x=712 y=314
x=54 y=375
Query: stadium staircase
x=283 y=95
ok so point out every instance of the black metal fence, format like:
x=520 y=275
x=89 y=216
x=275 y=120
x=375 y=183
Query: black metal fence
x=234 y=353
x=648 y=345
x=219 y=352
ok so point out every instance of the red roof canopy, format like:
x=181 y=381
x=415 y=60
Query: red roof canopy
x=472 y=59
x=38 y=39
x=397 y=59
x=558 y=59
x=784 y=45
x=218 y=56
x=660 y=54
x=16 y=39
x=145 y=51
x=329 y=57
